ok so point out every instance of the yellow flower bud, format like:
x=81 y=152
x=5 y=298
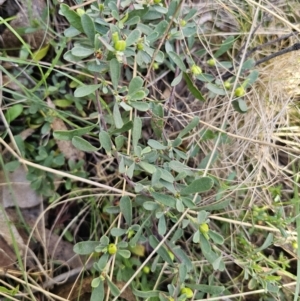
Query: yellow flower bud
x=239 y=92
x=80 y=11
x=187 y=291
x=196 y=70
x=112 y=249
x=120 y=45
x=204 y=228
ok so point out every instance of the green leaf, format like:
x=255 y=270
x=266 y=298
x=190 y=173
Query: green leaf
x=147 y=167
x=13 y=112
x=71 y=16
x=208 y=289
x=117 y=232
x=176 y=80
x=88 y=27
x=164 y=199
x=68 y=135
x=130 y=170
x=216 y=206
x=105 y=141
x=135 y=85
x=86 y=90
x=114 y=70
x=215 y=89
x=139 y=95
x=226 y=45
x=266 y=244
x=136 y=132
x=180 y=167
x=150 y=206
x=177 y=60
x=251 y=78
x=166 y=175
x=184 y=258
x=117 y=117
x=82 y=52
x=140 y=106
x=124 y=253
x=113 y=288
x=156 y=145
x=189 y=127
x=145 y=294
x=125 y=128
x=85 y=247
x=198 y=186
x=126 y=209
x=63 y=103
x=179 y=205
x=95 y=282
x=157 y=120
x=162 y=226
x=182 y=273
x=216 y=237
x=12 y=165
x=133 y=37
x=7 y=291
x=192 y=88
x=83 y=145
x=98 y=292
x=240 y=106
x=162 y=252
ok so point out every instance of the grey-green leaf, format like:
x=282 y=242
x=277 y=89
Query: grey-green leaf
x=164 y=199
x=136 y=132
x=226 y=45
x=189 y=127
x=162 y=226
x=177 y=60
x=140 y=106
x=113 y=288
x=126 y=209
x=86 y=90
x=117 y=117
x=98 y=292
x=85 y=247
x=105 y=141
x=83 y=145
x=114 y=70
x=192 y=88
x=145 y=294
x=135 y=85
x=88 y=27
x=147 y=167
x=133 y=37
x=71 y=16
x=156 y=145
x=198 y=186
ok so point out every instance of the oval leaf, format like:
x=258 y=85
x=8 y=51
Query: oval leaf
x=86 y=90
x=85 y=247
x=83 y=145
x=126 y=209
x=177 y=60
x=199 y=185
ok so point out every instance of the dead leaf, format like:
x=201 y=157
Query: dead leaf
x=16 y=190
x=66 y=147
x=7 y=255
